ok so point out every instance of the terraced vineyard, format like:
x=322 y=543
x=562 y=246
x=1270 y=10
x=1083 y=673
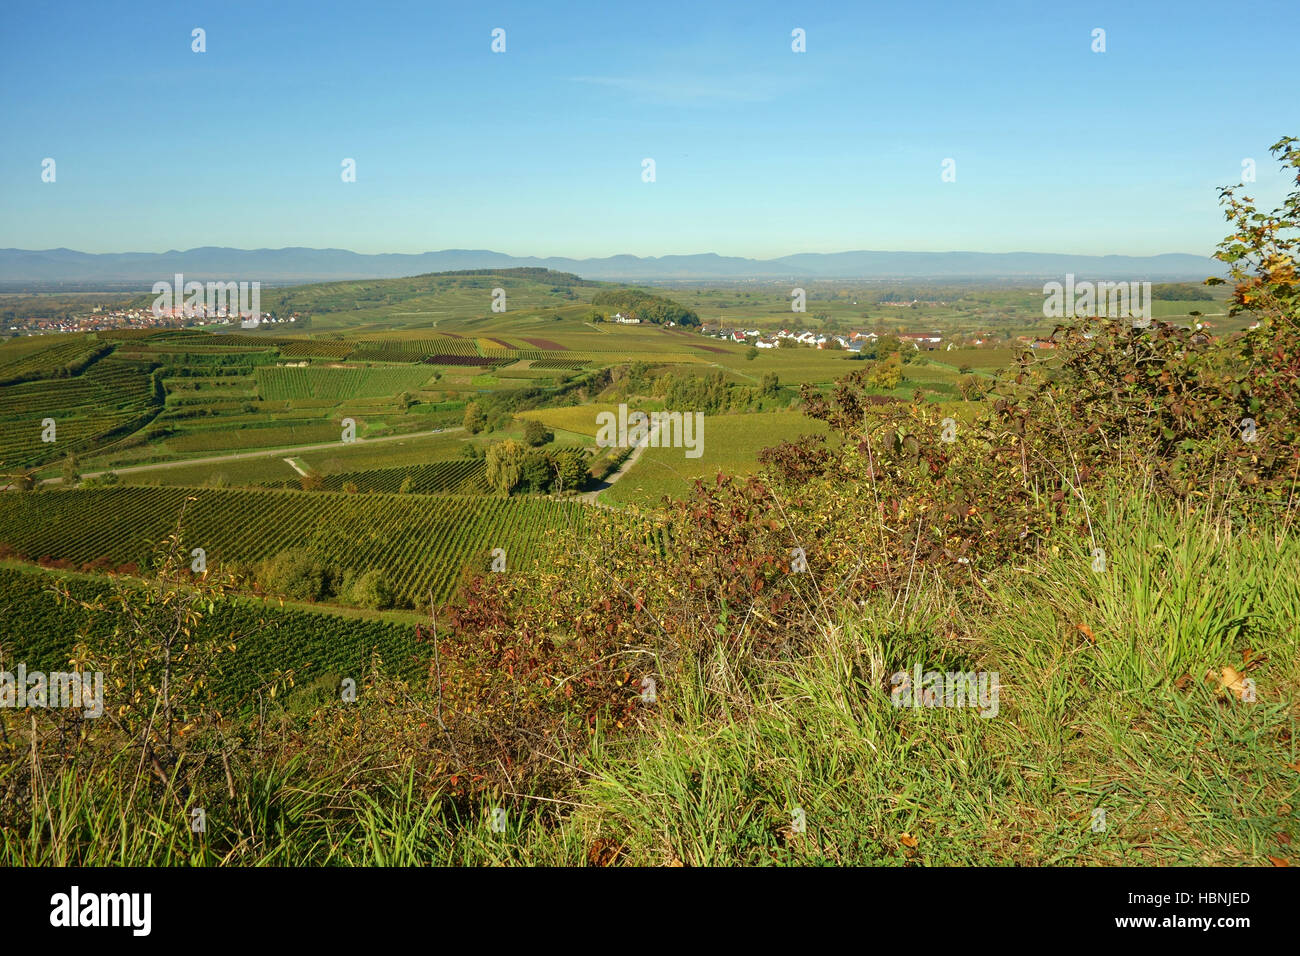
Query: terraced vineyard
x=385 y=355
x=562 y=365
x=107 y=397
x=466 y=360
x=419 y=542
x=308 y=348
x=414 y=349
x=288 y=384
x=269 y=435
x=44 y=356
x=459 y=476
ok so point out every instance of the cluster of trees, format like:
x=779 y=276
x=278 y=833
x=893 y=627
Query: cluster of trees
x=646 y=307
x=494 y=411
x=305 y=575
x=1181 y=291
x=514 y=467
x=711 y=394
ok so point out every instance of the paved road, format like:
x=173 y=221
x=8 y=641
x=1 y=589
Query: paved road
x=260 y=453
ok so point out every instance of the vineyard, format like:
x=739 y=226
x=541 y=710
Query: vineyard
x=311 y=644
x=580 y=419
x=102 y=400
x=385 y=355
x=561 y=365
x=465 y=360
x=41 y=357
x=270 y=435
x=287 y=384
x=441 y=345
x=309 y=348
x=458 y=476
x=419 y=542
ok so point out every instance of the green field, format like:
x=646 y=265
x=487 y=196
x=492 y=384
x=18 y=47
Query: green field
x=731 y=444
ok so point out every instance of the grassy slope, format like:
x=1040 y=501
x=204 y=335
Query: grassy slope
x=1122 y=721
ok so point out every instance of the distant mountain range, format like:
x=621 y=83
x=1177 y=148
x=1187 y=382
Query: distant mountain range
x=295 y=265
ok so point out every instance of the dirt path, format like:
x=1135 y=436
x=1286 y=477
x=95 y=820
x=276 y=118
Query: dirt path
x=592 y=497
x=260 y=453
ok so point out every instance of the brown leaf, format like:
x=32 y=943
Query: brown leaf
x=1278 y=861
x=1086 y=631
x=909 y=841
x=1231 y=681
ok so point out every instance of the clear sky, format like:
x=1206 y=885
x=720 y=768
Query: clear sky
x=759 y=151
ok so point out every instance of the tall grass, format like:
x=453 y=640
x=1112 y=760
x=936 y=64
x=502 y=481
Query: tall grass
x=1104 y=705
x=1110 y=699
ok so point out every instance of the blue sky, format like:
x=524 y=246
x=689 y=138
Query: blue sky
x=759 y=151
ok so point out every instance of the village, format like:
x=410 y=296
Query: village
x=100 y=319
x=852 y=342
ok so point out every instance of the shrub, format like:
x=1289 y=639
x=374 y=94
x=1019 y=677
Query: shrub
x=299 y=573
x=536 y=434
x=370 y=589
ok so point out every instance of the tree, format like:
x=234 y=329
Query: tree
x=570 y=466
x=887 y=345
x=157 y=658
x=71 y=470
x=769 y=384
x=1261 y=254
x=751 y=353
x=888 y=373
x=505 y=465
x=475 y=419
x=535 y=433
x=535 y=472
x=404 y=401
